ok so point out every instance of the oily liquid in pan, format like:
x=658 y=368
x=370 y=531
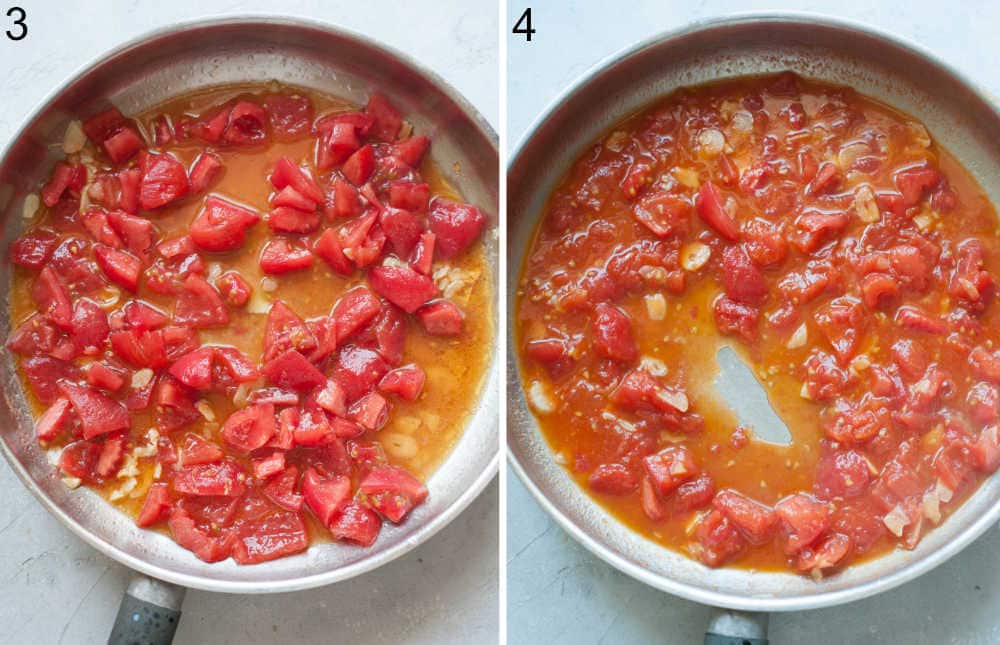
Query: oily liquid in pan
x=687 y=339
x=454 y=367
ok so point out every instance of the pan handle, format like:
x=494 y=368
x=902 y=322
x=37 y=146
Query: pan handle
x=728 y=627
x=148 y=614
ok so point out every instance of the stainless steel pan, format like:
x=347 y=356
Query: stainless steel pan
x=901 y=74
x=179 y=59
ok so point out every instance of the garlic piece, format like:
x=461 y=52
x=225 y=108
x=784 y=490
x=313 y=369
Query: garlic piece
x=695 y=255
x=30 y=208
x=75 y=138
x=141 y=378
x=656 y=306
x=400 y=446
x=798 y=338
x=865 y=205
x=539 y=398
x=710 y=143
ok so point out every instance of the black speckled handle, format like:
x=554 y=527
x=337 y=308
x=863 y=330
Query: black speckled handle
x=148 y=615
x=728 y=627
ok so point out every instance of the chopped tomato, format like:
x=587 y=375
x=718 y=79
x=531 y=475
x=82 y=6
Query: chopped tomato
x=163 y=180
x=455 y=226
x=712 y=210
x=613 y=334
x=392 y=492
x=406 y=382
x=281 y=256
x=222 y=225
x=402 y=286
x=251 y=428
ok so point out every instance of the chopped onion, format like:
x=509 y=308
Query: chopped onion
x=654 y=366
x=742 y=121
x=141 y=378
x=896 y=520
x=675 y=399
x=687 y=177
x=865 y=205
x=540 y=399
x=205 y=409
x=31 y=203
x=72 y=482
x=656 y=306
x=695 y=255
x=798 y=338
x=919 y=133
x=75 y=138
x=710 y=143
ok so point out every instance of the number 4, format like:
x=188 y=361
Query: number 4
x=523 y=25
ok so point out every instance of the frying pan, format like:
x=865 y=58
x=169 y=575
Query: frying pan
x=901 y=74
x=140 y=75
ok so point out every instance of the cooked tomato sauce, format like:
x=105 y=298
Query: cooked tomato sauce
x=848 y=259
x=254 y=317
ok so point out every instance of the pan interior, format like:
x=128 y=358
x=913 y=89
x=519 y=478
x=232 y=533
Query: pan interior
x=203 y=55
x=958 y=117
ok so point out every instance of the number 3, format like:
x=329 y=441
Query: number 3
x=18 y=11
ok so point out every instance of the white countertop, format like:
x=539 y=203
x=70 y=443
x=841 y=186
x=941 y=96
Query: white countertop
x=56 y=589
x=558 y=593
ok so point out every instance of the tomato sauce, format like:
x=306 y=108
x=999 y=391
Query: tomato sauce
x=850 y=262
x=329 y=424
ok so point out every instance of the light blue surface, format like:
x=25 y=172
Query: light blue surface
x=558 y=593
x=56 y=589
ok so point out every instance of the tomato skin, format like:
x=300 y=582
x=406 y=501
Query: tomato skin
x=285 y=219
x=712 y=210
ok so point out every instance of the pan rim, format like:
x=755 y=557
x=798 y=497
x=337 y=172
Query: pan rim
x=491 y=375
x=734 y=599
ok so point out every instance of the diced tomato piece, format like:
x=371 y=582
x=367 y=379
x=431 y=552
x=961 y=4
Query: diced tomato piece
x=718 y=538
x=354 y=310
x=130 y=182
x=53 y=420
x=195 y=368
x=33 y=250
x=140 y=348
x=755 y=520
x=235 y=363
x=112 y=450
x=205 y=170
x=813 y=228
x=248 y=429
x=402 y=228
x=741 y=278
x=89 y=326
x=826 y=554
x=392 y=492
x=612 y=479
x=208 y=548
x=199 y=304
x=328 y=247
x=325 y=497
x=388 y=334
x=841 y=474
x=96 y=222
x=370 y=411
x=290 y=220
x=356 y=523
x=197 y=450
x=406 y=382
x=402 y=286
x=694 y=494
x=284 y=331
x=290 y=116
x=291 y=198
x=664 y=214
x=336 y=144
x=135 y=232
x=281 y=256
x=456 y=226
x=612 y=331
x=387 y=119
x=52 y=299
x=654 y=507
x=332 y=398
x=98 y=414
x=360 y=165
x=842 y=322
x=65 y=177
x=441 y=318
x=222 y=225
x=291 y=370
x=915 y=182
x=234 y=289
x=163 y=180
x=412 y=150
x=828 y=178
x=120 y=267
x=247 y=124
x=269 y=465
x=281 y=489
x=123 y=145
x=764 y=242
x=409 y=195
x=103 y=124
x=45 y=374
x=641 y=390
x=712 y=210
x=358 y=370
x=422 y=257
x=733 y=317
x=79 y=458
x=286 y=173
x=344 y=200
x=983 y=400
x=670 y=468
x=803 y=519
x=157 y=506
x=102 y=376
x=34 y=337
